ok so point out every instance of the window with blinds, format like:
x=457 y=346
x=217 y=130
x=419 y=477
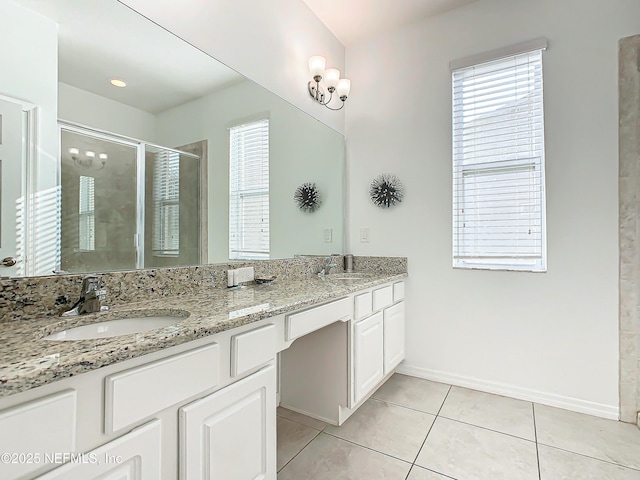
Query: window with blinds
x=498 y=164
x=166 y=204
x=86 y=215
x=249 y=191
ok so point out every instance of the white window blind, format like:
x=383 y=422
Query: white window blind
x=249 y=191
x=86 y=215
x=166 y=202
x=498 y=164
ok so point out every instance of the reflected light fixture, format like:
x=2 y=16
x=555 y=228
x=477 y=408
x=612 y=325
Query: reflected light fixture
x=87 y=160
x=332 y=81
x=118 y=82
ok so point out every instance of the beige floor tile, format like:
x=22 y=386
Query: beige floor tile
x=330 y=458
x=292 y=438
x=595 y=437
x=387 y=428
x=300 y=418
x=495 y=412
x=413 y=392
x=560 y=465
x=468 y=452
x=419 y=473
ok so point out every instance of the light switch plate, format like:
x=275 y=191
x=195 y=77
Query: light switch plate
x=364 y=235
x=245 y=274
x=328 y=235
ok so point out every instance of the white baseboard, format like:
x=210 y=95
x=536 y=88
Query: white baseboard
x=568 y=403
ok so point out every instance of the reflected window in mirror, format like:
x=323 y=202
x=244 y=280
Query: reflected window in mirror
x=166 y=198
x=87 y=215
x=249 y=191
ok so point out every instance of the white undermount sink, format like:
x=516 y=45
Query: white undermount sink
x=115 y=328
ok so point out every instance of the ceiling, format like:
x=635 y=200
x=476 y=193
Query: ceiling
x=354 y=20
x=99 y=40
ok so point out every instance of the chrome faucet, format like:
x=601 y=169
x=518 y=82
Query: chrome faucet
x=328 y=264
x=92 y=293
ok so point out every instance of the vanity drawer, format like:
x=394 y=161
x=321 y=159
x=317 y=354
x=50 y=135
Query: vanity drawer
x=34 y=429
x=252 y=349
x=300 y=324
x=363 y=305
x=398 y=291
x=382 y=297
x=135 y=394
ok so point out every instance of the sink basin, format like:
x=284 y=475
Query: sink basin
x=115 y=328
x=348 y=276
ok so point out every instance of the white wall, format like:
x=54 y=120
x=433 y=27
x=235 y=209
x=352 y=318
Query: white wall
x=550 y=337
x=301 y=149
x=29 y=62
x=86 y=108
x=269 y=42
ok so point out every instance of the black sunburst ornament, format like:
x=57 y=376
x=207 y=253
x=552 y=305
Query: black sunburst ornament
x=307 y=197
x=386 y=190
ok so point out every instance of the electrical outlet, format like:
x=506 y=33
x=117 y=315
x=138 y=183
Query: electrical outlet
x=328 y=235
x=364 y=235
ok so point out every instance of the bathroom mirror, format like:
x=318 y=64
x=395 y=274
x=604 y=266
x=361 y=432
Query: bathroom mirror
x=90 y=195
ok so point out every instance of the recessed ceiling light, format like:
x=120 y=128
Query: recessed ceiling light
x=118 y=82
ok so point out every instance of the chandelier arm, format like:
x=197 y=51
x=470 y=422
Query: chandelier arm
x=334 y=109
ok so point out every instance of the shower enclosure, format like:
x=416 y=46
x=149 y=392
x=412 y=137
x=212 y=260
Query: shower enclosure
x=629 y=226
x=126 y=204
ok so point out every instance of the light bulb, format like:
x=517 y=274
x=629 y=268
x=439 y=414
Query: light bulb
x=343 y=88
x=331 y=78
x=316 y=66
x=90 y=154
x=74 y=151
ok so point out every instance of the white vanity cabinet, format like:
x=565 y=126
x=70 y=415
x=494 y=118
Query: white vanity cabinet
x=349 y=360
x=146 y=418
x=393 y=336
x=368 y=349
x=134 y=456
x=206 y=409
x=379 y=338
x=231 y=434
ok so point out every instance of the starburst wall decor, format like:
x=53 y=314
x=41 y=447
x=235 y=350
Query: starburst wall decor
x=307 y=197
x=386 y=190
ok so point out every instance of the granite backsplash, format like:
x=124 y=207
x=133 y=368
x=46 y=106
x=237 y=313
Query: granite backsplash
x=34 y=297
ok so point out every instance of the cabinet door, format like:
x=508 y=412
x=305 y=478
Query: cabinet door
x=368 y=349
x=231 y=434
x=134 y=456
x=393 y=336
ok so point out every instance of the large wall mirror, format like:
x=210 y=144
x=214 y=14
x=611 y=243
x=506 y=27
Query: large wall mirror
x=189 y=163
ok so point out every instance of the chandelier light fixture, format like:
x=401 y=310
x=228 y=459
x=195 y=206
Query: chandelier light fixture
x=88 y=159
x=332 y=82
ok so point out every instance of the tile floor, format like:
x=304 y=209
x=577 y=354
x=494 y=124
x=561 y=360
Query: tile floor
x=414 y=429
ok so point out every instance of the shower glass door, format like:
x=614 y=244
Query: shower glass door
x=99 y=202
x=126 y=204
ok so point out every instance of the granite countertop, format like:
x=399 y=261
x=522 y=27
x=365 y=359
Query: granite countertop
x=27 y=361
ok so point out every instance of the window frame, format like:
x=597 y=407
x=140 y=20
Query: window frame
x=239 y=193
x=516 y=259
x=165 y=172
x=86 y=214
